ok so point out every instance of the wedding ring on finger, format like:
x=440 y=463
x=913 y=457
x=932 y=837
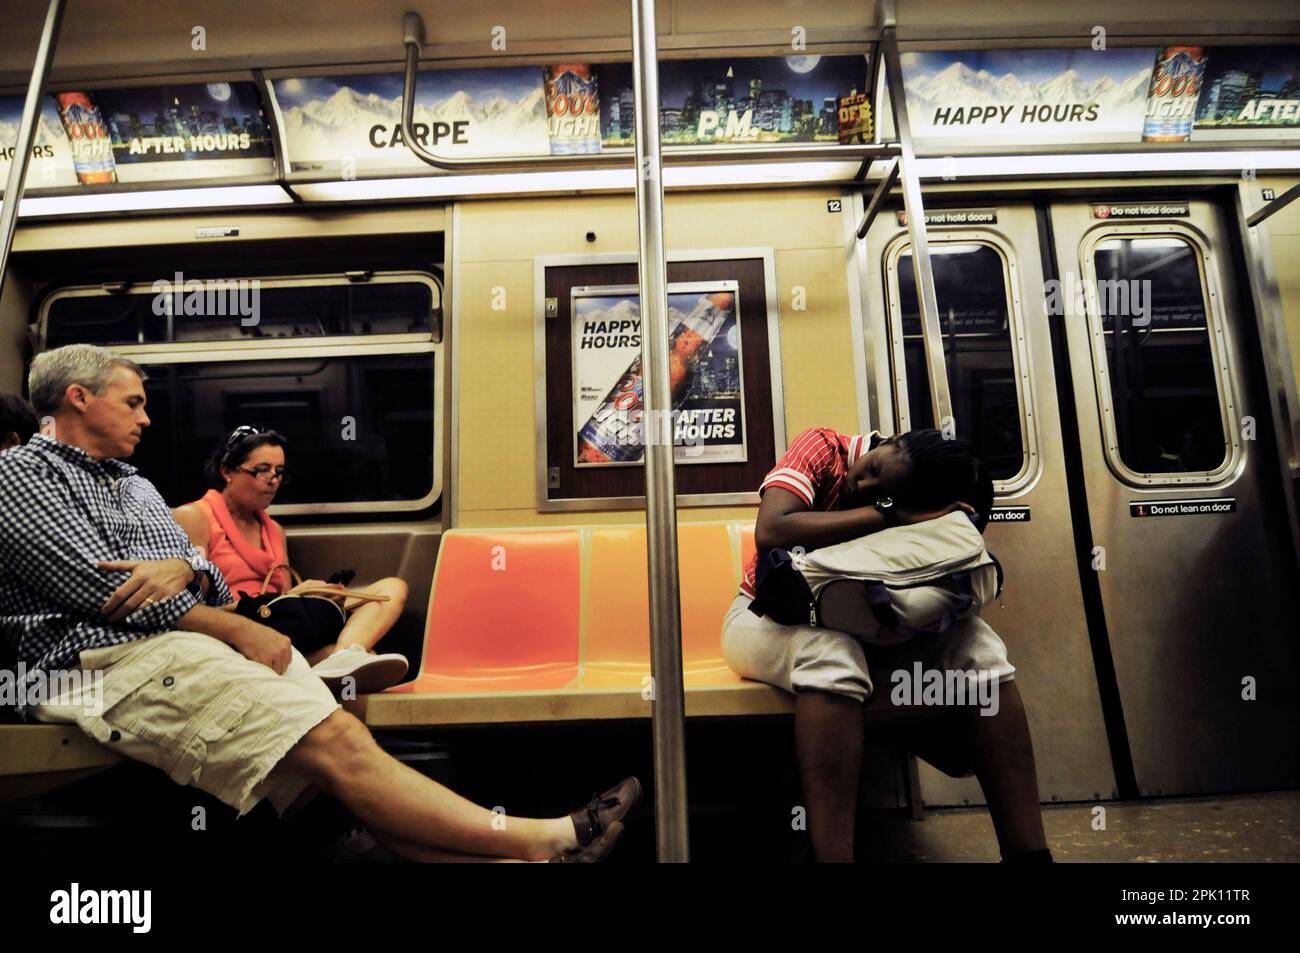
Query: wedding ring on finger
x=148 y=601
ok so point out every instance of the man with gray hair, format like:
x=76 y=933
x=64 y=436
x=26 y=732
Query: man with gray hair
x=95 y=574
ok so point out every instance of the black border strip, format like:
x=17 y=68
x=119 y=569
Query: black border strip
x=1112 y=707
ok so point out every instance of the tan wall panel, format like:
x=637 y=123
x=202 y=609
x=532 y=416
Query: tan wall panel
x=519 y=230
x=817 y=343
x=1286 y=250
x=781 y=219
x=497 y=244
x=1284 y=237
x=496 y=388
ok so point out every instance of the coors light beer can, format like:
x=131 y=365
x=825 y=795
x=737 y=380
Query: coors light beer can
x=1173 y=94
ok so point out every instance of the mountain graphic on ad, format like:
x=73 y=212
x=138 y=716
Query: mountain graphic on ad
x=51 y=165
x=1027 y=96
x=329 y=120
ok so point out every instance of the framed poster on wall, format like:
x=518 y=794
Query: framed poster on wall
x=705 y=375
x=726 y=419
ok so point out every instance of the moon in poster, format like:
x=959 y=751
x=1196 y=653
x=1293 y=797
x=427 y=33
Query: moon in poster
x=802 y=64
x=219 y=91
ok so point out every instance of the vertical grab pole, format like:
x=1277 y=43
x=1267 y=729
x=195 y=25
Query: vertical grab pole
x=932 y=333
x=668 y=704
x=27 y=134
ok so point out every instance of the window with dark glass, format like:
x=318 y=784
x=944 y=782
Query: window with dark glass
x=360 y=428
x=1160 y=365
x=970 y=288
x=243 y=310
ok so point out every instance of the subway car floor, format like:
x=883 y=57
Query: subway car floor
x=1243 y=828
x=741 y=785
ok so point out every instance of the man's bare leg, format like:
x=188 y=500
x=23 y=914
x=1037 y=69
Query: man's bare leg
x=340 y=756
x=828 y=746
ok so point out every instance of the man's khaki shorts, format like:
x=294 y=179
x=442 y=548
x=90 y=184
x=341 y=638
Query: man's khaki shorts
x=804 y=658
x=195 y=708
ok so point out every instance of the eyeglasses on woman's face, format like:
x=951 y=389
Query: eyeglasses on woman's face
x=266 y=473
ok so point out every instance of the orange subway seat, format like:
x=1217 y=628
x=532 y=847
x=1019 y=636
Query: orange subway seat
x=617 y=649
x=616 y=652
x=747 y=547
x=503 y=614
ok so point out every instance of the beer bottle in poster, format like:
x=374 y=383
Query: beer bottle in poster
x=92 y=149
x=1173 y=94
x=613 y=434
x=572 y=109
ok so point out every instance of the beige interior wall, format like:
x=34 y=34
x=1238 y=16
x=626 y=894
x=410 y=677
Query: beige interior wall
x=1284 y=237
x=497 y=242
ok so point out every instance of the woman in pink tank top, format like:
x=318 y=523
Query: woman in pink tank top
x=230 y=522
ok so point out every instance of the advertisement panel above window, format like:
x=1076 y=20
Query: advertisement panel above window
x=1023 y=98
x=143 y=134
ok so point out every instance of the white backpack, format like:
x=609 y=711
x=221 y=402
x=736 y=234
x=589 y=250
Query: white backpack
x=912 y=580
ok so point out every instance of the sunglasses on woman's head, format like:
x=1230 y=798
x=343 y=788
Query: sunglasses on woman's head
x=239 y=433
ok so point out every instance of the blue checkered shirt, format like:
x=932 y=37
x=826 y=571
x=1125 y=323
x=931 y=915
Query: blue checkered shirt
x=61 y=512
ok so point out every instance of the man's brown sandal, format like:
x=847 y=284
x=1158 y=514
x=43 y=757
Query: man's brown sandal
x=599 y=823
x=594 y=853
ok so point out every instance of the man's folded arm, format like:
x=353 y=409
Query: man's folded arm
x=48 y=542
x=171 y=538
x=44 y=541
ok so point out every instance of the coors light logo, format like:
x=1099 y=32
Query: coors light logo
x=1172 y=96
x=92 y=150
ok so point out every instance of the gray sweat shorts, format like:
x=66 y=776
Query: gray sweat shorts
x=803 y=658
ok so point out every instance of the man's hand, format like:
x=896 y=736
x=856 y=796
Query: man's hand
x=151 y=581
x=908 y=517
x=258 y=643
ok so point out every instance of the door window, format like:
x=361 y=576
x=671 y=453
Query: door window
x=979 y=348
x=1165 y=411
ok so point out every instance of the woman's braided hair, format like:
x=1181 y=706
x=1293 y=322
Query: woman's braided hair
x=943 y=470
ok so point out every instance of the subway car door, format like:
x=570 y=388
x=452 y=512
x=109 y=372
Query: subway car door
x=1190 y=541
x=1000 y=379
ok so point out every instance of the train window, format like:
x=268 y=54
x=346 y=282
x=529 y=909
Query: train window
x=981 y=335
x=193 y=310
x=358 y=402
x=360 y=427
x=1165 y=412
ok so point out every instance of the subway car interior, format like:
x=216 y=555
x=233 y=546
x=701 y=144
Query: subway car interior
x=557 y=337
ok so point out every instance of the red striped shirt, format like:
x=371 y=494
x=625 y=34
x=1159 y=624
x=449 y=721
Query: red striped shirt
x=813 y=469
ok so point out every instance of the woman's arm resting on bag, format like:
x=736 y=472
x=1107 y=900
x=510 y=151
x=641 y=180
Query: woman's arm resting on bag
x=785 y=521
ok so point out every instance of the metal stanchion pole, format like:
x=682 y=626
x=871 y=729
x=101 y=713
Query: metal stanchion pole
x=27 y=134
x=669 y=712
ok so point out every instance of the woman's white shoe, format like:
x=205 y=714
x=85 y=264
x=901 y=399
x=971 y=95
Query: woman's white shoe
x=371 y=673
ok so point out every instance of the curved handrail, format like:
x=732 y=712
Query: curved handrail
x=413 y=37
